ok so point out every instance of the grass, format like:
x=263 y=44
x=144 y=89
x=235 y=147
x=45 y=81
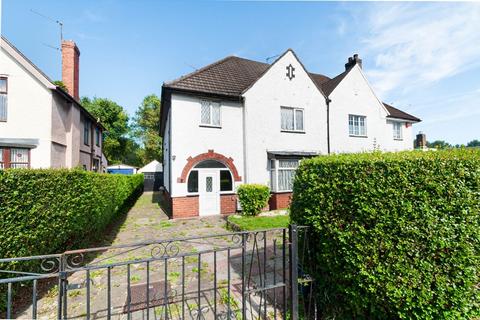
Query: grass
x=248 y=223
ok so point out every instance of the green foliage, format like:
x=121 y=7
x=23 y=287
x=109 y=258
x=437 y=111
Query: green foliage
x=146 y=128
x=117 y=145
x=253 y=198
x=474 y=143
x=246 y=223
x=60 y=84
x=395 y=235
x=47 y=211
x=439 y=144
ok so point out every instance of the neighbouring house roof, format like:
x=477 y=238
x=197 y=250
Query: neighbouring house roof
x=231 y=76
x=120 y=166
x=153 y=166
x=26 y=63
x=399 y=114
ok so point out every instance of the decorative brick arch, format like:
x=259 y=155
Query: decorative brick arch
x=210 y=155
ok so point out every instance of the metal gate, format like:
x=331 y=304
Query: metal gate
x=242 y=275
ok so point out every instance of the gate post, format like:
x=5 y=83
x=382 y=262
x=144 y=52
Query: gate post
x=293 y=268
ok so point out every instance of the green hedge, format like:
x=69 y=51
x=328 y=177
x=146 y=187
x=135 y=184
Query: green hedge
x=395 y=235
x=253 y=198
x=46 y=211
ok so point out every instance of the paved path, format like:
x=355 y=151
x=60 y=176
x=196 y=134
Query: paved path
x=197 y=277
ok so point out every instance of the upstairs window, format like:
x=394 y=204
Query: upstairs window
x=291 y=119
x=397 y=131
x=357 y=125
x=97 y=137
x=210 y=114
x=86 y=133
x=3 y=99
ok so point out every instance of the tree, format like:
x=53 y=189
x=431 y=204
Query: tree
x=115 y=120
x=439 y=144
x=60 y=84
x=474 y=143
x=147 y=127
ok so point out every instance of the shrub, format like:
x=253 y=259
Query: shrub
x=46 y=211
x=253 y=198
x=395 y=235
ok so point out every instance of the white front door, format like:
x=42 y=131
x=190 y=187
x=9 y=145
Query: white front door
x=209 y=192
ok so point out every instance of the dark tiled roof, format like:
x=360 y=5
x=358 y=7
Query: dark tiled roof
x=232 y=75
x=229 y=76
x=399 y=114
x=330 y=85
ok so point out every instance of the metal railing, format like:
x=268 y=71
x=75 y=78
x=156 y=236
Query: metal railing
x=240 y=275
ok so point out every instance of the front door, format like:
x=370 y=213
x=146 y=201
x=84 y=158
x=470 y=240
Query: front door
x=209 y=192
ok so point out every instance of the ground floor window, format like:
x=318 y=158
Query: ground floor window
x=226 y=179
x=282 y=173
x=14 y=158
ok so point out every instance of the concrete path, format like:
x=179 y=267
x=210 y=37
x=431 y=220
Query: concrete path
x=194 y=278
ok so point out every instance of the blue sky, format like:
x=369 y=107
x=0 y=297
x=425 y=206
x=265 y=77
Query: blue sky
x=423 y=58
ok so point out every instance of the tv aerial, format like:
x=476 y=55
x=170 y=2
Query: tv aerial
x=58 y=22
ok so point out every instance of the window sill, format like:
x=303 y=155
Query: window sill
x=293 y=131
x=282 y=191
x=355 y=136
x=210 y=126
x=398 y=139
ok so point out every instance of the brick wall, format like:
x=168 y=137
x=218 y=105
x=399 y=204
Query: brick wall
x=184 y=207
x=228 y=203
x=280 y=200
x=71 y=68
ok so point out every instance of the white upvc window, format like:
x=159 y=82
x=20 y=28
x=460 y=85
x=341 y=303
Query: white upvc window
x=282 y=174
x=210 y=114
x=397 y=131
x=292 y=119
x=3 y=99
x=357 y=125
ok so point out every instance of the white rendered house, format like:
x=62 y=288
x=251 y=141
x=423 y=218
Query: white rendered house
x=241 y=121
x=41 y=124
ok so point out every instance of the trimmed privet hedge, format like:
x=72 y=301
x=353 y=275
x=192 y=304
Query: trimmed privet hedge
x=47 y=211
x=253 y=198
x=395 y=235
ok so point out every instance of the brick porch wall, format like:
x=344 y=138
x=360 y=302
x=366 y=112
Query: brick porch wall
x=280 y=200
x=185 y=207
x=228 y=203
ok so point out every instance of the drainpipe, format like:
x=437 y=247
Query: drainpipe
x=244 y=129
x=328 y=123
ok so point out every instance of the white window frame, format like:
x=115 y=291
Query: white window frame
x=274 y=167
x=295 y=124
x=4 y=112
x=397 y=130
x=211 y=105
x=353 y=122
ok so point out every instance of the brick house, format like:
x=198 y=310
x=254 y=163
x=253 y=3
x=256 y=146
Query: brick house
x=241 y=121
x=41 y=124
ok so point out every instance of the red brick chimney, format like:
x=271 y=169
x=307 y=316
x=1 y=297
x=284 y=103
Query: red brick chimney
x=71 y=67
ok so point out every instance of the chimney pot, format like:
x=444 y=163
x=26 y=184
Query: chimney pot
x=71 y=67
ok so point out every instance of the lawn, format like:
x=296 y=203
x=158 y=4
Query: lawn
x=248 y=223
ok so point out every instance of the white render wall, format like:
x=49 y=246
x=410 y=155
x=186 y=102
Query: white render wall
x=354 y=96
x=189 y=139
x=263 y=118
x=29 y=110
